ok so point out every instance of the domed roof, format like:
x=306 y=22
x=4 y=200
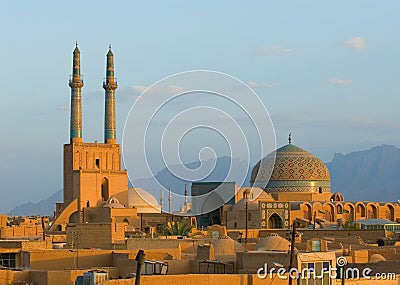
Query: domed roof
x=226 y=245
x=143 y=201
x=376 y=258
x=273 y=242
x=291 y=169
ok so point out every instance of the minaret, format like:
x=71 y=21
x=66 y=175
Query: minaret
x=170 y=201
x=76 y=84
x=109 y=85
x=186 y=195
x=161 y=200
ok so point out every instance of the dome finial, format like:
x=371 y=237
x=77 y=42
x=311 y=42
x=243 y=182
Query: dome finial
x=290 y=138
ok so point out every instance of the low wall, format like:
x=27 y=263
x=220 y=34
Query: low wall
x=66 y=259
x=366 y=235
x=187 y=245
x=13 y=277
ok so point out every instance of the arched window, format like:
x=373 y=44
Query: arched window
x=105 y=193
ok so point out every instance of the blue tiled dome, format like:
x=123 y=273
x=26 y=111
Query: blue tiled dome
x=291 y=169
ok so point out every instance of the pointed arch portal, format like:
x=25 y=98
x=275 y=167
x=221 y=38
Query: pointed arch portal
x=275 y=221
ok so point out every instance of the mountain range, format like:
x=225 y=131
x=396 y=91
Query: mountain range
x=368 y=175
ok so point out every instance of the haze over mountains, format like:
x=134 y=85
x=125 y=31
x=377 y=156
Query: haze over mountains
x=372 y=174
x=363 y=175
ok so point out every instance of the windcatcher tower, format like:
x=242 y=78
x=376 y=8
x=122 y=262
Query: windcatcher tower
x=76 y=84
x=110 y=85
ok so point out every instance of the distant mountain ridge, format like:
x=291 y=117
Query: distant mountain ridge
x=372 y=175
x=45 y=207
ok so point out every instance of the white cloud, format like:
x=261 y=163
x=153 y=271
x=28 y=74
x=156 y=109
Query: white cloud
x=138 y=88
x=274 y=50
x=255 y=85
x=357 y=43
x=171 y=89
x=338 y=81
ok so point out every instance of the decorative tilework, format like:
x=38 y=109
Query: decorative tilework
x=291 y=169
x=267 y=209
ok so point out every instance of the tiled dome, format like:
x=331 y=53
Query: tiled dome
x=291 y=169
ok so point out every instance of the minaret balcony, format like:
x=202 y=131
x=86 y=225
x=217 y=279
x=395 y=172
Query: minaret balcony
x=75 y=82
x=110 y=84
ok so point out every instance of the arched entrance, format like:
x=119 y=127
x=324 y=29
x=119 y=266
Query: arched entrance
x=329 y=212
x=348 y=212
x=274 y=221
x=360 y=211
x=372 y=212
x=105 y=193
x=307 y=212
x=390 y=212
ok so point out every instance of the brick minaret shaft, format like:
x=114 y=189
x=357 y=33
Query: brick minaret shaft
x=76 y=84
x=109 y=86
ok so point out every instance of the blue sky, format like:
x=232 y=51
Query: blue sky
x=327 y=72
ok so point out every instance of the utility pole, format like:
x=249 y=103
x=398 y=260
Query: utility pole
x=315 y=217
x=247 y=222
x=140 y=260
x=43 y=230
x=293 y=242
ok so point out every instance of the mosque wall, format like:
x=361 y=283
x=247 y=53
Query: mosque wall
x=92 y=173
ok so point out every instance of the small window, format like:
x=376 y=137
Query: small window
x=7 y=260
x=97 y=162
x=320 y=189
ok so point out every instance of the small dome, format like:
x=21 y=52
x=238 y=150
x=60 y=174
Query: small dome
x=337 y=197
x=376 y=258
x=273 y=242
x=112 y=203
x=291 y=169
x=226 y=245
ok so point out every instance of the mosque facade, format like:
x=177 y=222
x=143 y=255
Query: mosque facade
x=291 y=184
x=95 y=187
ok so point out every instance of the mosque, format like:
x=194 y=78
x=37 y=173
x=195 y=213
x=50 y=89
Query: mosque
x=95 y=187
x=291 y=184
x=288 y=185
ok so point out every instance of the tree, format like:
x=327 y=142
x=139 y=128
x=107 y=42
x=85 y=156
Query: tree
x=176 y=228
